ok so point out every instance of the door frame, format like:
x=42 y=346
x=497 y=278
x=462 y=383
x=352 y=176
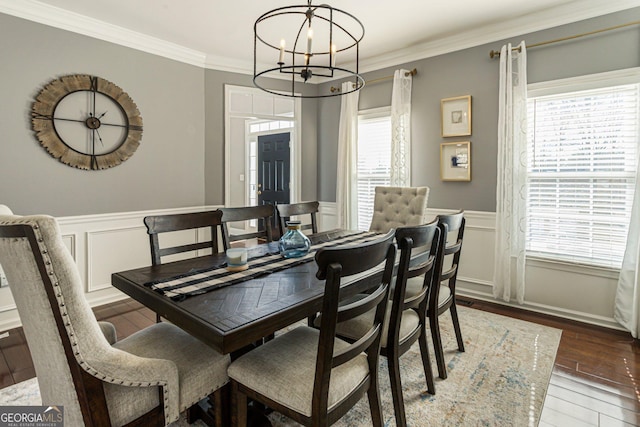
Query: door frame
x=295 y=147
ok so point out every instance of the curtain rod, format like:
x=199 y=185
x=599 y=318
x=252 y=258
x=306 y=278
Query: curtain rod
x=495 y=53
x=368 y=82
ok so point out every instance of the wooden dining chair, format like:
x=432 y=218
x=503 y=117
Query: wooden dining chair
x=146 y=379
x=405 y=320
x=159 y=224
x=171 y=223
x=395 y=207
x=442 y=295
x=264 y=214
x=286 y=211
x=308 y=374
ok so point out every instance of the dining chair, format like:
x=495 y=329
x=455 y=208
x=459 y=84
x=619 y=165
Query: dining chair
x=395 y=207
x=145 y=379
x=442 y=295
x=405 y=320
x=286 y=211
x=265 y=215
x=159 y=224
x=309 y=374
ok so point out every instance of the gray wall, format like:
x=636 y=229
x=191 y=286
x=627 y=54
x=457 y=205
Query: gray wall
x=182 y=121
x=166 y=171
x=472 y=72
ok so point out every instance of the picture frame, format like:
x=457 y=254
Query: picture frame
x=455 y=161
x=455 y=115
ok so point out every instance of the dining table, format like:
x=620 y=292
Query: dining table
x=232 y=310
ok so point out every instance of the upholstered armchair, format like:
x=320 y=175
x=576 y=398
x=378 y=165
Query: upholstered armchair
x=145 y=379
x=395 y=207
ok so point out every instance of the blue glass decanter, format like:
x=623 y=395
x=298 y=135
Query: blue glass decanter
x=294 y=244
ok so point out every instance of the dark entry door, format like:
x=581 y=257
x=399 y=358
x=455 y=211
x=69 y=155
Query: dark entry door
x=274 y=169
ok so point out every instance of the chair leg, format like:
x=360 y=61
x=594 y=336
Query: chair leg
x=426 y=360
x=238 y=406
x=374 y=401
x=456 y=326
x=396 y=389
x=437 y=345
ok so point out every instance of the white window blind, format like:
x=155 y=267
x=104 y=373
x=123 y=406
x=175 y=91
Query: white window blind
x=374 y=161
x=581 y=174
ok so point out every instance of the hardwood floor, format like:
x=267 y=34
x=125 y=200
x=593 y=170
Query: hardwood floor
x=595 y=381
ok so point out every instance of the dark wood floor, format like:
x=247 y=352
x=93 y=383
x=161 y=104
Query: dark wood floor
x=595 y=381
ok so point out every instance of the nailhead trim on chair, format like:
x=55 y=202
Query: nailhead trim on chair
x=70 y=332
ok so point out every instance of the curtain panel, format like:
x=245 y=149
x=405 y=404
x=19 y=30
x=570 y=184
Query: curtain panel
x=346 y=180
x=401 y=129
x=511 y=189
x=627 y=304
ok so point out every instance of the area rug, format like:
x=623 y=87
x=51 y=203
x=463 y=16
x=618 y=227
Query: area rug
x=500 y=380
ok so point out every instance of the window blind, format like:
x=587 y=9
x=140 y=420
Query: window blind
x=374 y=163
x=581 y=174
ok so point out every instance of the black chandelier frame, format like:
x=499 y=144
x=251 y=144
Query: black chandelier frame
x=305 y=69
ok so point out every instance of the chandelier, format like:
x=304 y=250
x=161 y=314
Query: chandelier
x=307 y=44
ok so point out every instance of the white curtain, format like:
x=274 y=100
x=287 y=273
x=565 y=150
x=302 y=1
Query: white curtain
x=627 y=305
x=401 y=129
x=346 y=184
x=511 y=191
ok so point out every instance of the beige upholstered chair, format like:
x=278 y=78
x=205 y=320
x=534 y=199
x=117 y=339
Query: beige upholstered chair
x=308 y=374
x=395 y=207
x=147 y=378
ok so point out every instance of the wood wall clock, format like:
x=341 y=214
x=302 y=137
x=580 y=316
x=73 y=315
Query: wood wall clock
x=86 y=122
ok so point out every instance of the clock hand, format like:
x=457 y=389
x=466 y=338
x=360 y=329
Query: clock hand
x=102 y=115
x=99 y=137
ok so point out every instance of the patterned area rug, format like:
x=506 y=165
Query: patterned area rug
x=501 y=378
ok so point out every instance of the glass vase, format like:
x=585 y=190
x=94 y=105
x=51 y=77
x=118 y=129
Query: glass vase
x=294 y=244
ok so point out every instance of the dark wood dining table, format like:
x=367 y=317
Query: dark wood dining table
x=233 y=317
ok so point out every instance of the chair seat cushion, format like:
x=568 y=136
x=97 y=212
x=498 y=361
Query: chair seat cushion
x=201 y=370
x=284 y=370
x=355 y=328
x=414 y=285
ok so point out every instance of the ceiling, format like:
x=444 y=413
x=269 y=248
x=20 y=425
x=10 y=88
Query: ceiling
x=219 y=34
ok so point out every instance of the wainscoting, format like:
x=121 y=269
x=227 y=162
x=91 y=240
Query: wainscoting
x=106 y=243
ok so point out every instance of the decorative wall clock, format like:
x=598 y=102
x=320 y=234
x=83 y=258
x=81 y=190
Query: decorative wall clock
x=86 y=122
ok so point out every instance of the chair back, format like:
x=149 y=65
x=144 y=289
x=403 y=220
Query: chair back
x=333 y=264
x=265 y=215
x=419 y=250
x=395 y=207
x=286 y=211
x=61 y=330
x=158 y=224
x=452 y=229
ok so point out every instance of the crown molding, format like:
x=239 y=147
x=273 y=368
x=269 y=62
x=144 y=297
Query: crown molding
x=564 y=14
x=66 y=20
x=560 y=15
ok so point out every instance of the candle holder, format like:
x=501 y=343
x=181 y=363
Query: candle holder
x=237 y=259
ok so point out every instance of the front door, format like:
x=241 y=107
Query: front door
x=274 y=168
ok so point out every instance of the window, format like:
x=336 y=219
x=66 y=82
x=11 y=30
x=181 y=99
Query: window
x=581 y=172
x=374 y=159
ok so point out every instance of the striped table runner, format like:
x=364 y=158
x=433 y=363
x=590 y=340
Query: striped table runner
x=199 y=282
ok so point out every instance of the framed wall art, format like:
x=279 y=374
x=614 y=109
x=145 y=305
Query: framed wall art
x=455 y=161
x=456 y=116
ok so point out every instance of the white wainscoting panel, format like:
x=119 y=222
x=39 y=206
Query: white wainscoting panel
x=107 y=243
x=101 y=245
